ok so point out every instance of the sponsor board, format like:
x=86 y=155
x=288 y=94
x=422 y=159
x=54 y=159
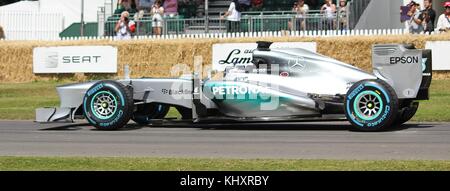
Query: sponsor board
x=440 y=56
x=75 y=59
x=227 y=54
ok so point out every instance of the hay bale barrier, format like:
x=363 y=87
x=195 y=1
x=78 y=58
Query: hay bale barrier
x=155 y=58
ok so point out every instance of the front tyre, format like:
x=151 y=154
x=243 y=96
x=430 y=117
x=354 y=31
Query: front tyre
x=108 y=105
x=371 y=105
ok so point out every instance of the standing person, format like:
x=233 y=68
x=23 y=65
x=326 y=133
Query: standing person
x=301 y=8
x=428 y=16
x=415 y=23
x=124 y=27
x=329 y=11
x=143 y=7
x=443 y=24
x=157 y=17
x=342 y=10
x=233 y=16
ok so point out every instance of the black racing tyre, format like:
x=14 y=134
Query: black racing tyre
x=371 y=105
x=406 y=112
x=108 y=105
x=146 y=112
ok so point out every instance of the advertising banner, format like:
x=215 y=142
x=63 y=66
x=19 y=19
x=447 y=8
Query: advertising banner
x=440 y=50
x=228 y=54
x=75 y=59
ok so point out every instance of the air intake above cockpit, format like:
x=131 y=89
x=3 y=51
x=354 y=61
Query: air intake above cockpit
x=264 y=45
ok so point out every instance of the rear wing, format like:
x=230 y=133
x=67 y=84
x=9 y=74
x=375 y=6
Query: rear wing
x=405 y=68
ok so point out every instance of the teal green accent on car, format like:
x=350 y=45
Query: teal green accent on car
x=118 y=92
x=356 y=105
x=95 y=112
x=264 y=96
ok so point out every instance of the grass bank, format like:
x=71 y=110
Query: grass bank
x=19 y=101
x=180 y=164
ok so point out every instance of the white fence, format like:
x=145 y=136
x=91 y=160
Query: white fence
x=24 y=25
x=313 y=34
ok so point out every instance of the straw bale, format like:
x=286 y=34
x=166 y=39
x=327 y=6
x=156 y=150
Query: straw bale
x=156 y=58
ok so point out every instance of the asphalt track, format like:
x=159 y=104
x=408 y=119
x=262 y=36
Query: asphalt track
x=326 y=140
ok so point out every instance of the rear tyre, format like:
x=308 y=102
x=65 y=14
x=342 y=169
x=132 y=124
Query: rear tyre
x=406 y=112
x=146 y=112
x=108 y=105
x=371 y=105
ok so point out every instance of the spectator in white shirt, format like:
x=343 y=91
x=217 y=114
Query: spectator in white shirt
x=443 y=24
x=300 y=8
x=329 y=11
x=233 y=16
x=157 y=17
x=124 y=27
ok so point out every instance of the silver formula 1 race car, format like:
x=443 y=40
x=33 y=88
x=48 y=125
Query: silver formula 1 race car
x=285 y=84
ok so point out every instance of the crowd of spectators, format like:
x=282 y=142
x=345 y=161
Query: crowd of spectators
x=159 y=9
x=422 y=21
x=300 y=8
x=332 y=16
x=146 y=6
x=443 y=23
x=155 y=10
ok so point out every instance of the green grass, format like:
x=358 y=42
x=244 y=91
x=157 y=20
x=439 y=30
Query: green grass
x=18 y=101
x=184 y=164
x=438 y=107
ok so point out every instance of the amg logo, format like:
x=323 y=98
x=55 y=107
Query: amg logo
x=404 y=60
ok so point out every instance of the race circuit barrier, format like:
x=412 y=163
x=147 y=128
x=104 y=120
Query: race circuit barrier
x=155 y=57
x=265 y=34
x=313 y=34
